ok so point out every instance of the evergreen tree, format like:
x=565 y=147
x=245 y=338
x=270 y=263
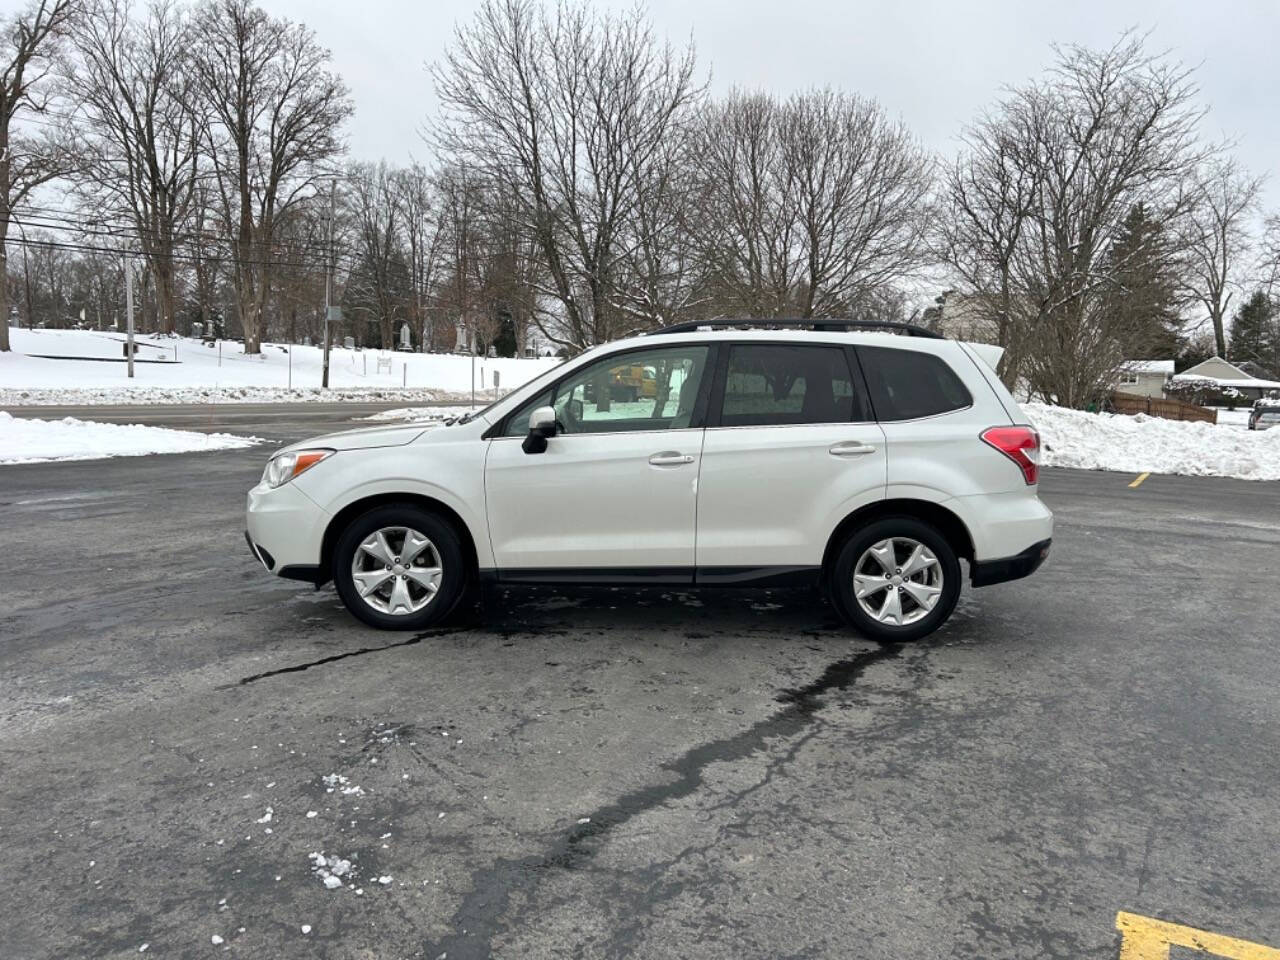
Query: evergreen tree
x=1255 y=332
x=1143 y=298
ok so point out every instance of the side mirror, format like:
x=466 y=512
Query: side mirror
x=542 y=425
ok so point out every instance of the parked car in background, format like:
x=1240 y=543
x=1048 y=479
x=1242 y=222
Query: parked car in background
x=1264 y=416
x=866 y=462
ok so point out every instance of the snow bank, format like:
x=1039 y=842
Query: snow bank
x=1138 y=444
x=417 y=414
x=38 y=441
x=183 y=370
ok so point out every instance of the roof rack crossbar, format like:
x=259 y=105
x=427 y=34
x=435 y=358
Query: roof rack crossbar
x=817 y=323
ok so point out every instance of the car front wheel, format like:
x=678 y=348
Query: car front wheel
x=399 y=567
x=896 y=579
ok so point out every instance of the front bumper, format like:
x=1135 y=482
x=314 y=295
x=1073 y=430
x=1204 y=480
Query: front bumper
x=983 y=573
x=285 y=529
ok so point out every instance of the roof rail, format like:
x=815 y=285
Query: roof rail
x=817 y=323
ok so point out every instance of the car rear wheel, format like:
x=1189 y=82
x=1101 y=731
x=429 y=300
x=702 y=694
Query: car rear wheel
x=896 y=579
x=399 y=567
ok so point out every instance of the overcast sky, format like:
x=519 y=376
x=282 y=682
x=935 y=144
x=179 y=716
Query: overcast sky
x=935 y=63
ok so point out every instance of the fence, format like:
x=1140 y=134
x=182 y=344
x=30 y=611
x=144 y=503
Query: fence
x=1167 y=409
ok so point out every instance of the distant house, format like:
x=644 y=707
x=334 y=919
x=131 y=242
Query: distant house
x=1229 y=375
x=1145 y=378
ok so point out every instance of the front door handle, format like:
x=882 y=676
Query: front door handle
x=851 y=448
x=670 y=458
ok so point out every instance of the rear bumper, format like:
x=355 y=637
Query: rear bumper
x=986 y=572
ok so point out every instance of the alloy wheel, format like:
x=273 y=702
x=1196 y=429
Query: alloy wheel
x=397 y=570
x=897 y=581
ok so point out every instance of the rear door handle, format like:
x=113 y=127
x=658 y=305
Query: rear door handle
x=851 y=448
x=670 y=458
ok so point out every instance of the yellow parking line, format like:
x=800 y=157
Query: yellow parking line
x=1139 y=479
x=1145 y=939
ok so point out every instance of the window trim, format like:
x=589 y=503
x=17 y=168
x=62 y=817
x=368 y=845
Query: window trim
x=927 y=353
x=697 y=420
x=716 y=410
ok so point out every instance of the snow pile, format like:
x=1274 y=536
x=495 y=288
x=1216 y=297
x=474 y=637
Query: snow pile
x=1140 y=444
x=38 y=441
x=418 y=414
x=86 y=366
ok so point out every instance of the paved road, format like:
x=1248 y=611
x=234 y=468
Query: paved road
x=615 y=773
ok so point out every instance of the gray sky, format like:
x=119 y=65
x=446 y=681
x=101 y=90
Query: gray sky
x=933 y=62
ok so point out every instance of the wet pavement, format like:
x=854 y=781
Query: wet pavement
x=614 y=773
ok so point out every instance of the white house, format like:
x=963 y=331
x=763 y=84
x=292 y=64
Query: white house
x=1228 y=375
x=1145 y=378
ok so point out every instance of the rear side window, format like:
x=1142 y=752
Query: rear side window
x=770 y=384
x=907 y=384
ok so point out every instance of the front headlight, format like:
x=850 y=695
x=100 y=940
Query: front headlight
x=283 y=468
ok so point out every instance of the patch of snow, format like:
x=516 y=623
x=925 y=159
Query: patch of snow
x=266 y=817
x=40 y=441
x=215 y=940
x=186 y=371
x=1139 y=444
x=306 y=928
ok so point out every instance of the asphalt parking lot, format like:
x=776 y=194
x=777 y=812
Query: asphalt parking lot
x=618 y=773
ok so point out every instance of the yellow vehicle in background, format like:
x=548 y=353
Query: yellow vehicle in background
x=632 y=382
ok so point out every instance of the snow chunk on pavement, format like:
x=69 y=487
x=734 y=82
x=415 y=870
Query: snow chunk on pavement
x=39 y=441
x=1140 y=444
x=331 y=870
x=336 y=781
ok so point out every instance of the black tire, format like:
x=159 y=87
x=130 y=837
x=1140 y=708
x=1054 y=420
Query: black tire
x=841 y=584
x=454 y=577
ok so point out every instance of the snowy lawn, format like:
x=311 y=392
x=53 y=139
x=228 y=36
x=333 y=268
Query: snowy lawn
x=38 y=441
x=1140 y=444
x=182 y=370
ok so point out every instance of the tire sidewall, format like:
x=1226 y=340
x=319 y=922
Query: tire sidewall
x=842 y=578
x=453 y=581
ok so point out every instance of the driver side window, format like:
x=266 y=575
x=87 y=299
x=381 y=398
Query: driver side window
x=639 y=390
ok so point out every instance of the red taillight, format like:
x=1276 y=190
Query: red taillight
x=1019 y=444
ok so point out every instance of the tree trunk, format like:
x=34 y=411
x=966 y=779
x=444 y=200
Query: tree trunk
x=166 y=297
x=4 y=289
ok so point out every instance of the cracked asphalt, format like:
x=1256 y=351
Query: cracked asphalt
x=620 y=773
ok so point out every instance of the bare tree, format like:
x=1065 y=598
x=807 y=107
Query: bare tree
x=1217 y=239
x=1044 y=192
x=133 y=88
x=422 y=238
x=984 y=206
x=378 y=287
x=566 y=110
x=272 y=110
x=810 y=204
x=30 y=41
x=1269 y=256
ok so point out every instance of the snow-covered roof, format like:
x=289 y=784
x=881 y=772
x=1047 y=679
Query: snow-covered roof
x=1231 y=381
x=1149 y=366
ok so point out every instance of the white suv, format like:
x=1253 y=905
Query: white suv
x=733 y=454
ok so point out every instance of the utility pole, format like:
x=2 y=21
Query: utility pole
x=328 y=271
x=128 y=306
